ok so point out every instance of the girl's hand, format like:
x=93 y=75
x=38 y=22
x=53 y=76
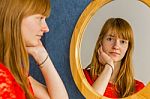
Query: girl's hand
x=38 y=52
x=103 y=57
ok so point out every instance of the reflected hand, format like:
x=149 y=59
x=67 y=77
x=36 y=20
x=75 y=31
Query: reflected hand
x=103 y=57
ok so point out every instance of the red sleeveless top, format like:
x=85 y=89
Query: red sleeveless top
x=9 y=88
x=110 y=89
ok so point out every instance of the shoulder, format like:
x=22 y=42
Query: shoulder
x=86 y=72
x=87 y=75
x=4 y=72
x=9 y=88
x=139 y=85
x=6 y=82
x=2 y=67
x=6 y=77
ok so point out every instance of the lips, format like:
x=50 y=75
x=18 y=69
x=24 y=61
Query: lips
x=40 y=35
x=114 y=53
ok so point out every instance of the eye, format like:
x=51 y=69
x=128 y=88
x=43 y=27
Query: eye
x=109 y=39
x=123 y=41
x=40 y=18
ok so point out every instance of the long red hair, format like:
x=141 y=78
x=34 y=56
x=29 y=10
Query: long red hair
x=125 y=79
x=13 y=53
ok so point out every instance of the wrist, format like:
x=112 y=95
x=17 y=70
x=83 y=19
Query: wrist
x=110 y=66
x=41 y=65
x=40 y=56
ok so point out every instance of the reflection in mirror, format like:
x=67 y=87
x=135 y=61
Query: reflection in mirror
x=110 y=72
x=86 y=34
x=137 y=14
x=90 y=62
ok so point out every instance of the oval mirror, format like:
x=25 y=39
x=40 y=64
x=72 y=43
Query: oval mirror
x=86 y=33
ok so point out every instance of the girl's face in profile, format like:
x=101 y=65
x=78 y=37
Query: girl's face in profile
x=33 y=27
x=115 y=47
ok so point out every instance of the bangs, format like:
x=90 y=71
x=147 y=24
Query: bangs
x=121 y=31
x=42 y=7
x=39 y=7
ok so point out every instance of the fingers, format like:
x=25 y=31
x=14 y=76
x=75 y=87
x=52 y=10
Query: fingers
x=101 y=60
x=101 y=50
x=103 y=56
x=28 y=50
x=100 y=57
x=40 y=43
x=36 y=50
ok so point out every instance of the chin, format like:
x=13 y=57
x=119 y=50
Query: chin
x=32 y=44
x=115 y=59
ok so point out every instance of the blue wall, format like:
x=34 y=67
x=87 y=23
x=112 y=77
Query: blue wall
x=64 y=15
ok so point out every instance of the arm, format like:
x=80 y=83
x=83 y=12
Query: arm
x=102 y=81
x=54 y=88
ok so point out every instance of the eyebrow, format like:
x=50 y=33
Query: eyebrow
x=110 y=35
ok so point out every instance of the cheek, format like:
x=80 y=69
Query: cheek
x=124 y=51
x=27 y=34
x=106 y=45
x=29 y=31
x=106 y=48
x=30 y=27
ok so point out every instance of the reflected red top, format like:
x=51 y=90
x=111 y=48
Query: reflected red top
x=110 y=89
x=9 y=88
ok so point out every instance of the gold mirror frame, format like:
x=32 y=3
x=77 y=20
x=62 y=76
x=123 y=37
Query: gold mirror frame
x=76 y=68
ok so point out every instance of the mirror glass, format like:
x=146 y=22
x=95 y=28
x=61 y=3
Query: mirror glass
x=138 y=16
x=86 y=33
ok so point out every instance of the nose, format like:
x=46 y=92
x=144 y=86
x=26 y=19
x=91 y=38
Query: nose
x=45 y=27
x=116 y=44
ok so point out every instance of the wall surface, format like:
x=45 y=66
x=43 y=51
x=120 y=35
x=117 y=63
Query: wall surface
x=63 y=18
x=64 y=15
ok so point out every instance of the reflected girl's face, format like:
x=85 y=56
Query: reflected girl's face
x=115 y=47
x=33 y=27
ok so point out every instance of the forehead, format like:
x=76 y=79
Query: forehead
x=115 y=33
